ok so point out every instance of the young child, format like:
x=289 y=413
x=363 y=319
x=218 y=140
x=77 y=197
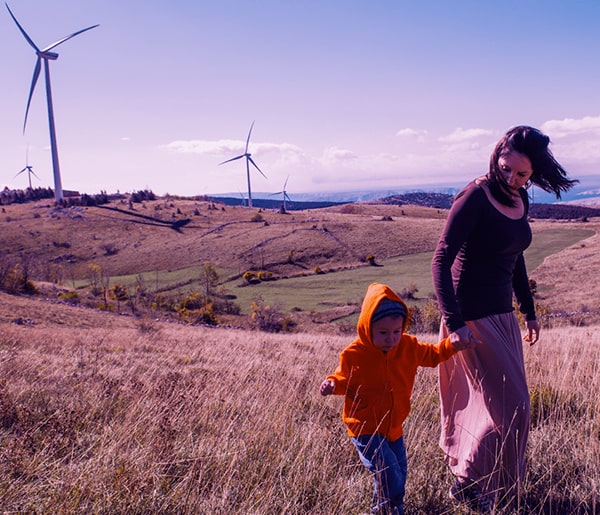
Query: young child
x=376 y=375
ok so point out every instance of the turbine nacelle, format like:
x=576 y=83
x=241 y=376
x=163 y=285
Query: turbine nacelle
x=53 y=56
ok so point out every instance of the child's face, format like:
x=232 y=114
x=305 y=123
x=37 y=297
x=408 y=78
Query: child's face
x=386 y=333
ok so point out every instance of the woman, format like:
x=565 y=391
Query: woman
x=477 y=265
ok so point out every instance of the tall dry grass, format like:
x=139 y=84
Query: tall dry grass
x=166 y=418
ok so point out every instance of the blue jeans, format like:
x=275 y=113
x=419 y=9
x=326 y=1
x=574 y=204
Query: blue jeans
x=387 y=461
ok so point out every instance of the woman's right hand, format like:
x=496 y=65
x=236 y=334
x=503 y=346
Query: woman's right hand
x=463 y=338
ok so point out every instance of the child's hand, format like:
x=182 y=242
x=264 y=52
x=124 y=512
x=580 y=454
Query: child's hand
x=327 y=387
x=463 y=338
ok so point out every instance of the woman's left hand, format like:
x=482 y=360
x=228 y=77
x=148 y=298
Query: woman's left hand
x=533 y=332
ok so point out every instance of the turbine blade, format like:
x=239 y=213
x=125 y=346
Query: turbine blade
x=286 y=196
x=29 y=40
x=19 y=173
x=66 y=38
x=256 y=166
x=34 y=79
x=285 y=183
x=248 y=138
x=232 y=159
x=35 y=174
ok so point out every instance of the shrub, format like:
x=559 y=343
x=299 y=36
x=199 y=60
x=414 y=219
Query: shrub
x=266 y=318
x=250 y=277
x=110 y=249
x=205 y=315
x=409 y=292
x=70 y=297
x=257 y=217
x=265 y=276
x=161 y=302
x=425 y=319
x=14 y=278
x=226 y=306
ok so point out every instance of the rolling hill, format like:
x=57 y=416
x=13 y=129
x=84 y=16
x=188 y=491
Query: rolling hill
x=165 y=243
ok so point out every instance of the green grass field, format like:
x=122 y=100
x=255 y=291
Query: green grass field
x=319 y=292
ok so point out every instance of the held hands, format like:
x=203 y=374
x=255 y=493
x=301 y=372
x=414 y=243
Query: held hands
x=463 y=338
x=327 y=387
x=533 y=332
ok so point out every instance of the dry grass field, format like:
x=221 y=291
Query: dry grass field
x=109 y=414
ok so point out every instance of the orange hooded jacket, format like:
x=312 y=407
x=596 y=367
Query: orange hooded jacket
x=377 y=386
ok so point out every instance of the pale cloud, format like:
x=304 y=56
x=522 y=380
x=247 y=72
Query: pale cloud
x=414 y=134
x=576 y=142
x=225 y=147
x=465 y=147
x=204 y=147
x=283 y=150
x=571 y=126
x=460 y=135
x=335 y=155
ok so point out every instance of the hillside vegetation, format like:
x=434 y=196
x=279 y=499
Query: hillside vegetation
x=108 y=414
x=160 y=247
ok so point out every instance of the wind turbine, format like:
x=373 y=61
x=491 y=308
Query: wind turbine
x=28 y=169
x=46 y=56
x=249 y=160
x=285 y=195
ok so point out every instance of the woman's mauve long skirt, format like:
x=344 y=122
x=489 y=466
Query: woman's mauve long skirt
x=485 y=407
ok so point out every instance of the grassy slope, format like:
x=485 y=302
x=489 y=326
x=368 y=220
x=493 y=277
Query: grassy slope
x=102 y=413
x=60 y=245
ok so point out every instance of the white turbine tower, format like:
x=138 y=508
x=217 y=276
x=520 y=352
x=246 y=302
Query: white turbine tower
x=46 y=56
x=249 y=160
x=285 y=195
x=28 y=169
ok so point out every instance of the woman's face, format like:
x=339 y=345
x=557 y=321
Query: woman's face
x=516 y=169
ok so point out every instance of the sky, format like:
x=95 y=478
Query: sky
x=345 y=95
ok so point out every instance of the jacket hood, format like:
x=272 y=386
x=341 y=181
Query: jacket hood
x=376 y=292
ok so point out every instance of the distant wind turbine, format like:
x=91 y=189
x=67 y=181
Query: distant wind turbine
x=28 y=169
x=249 y=160
x=46 y=56
x=285 y=195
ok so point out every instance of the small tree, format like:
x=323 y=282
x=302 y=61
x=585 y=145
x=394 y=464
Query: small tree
x=95 y=276
x=209 y=278
x=264 y=317
x=410 y=292
x=120 y=294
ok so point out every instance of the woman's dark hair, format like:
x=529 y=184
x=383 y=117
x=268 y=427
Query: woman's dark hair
x=548 y=174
